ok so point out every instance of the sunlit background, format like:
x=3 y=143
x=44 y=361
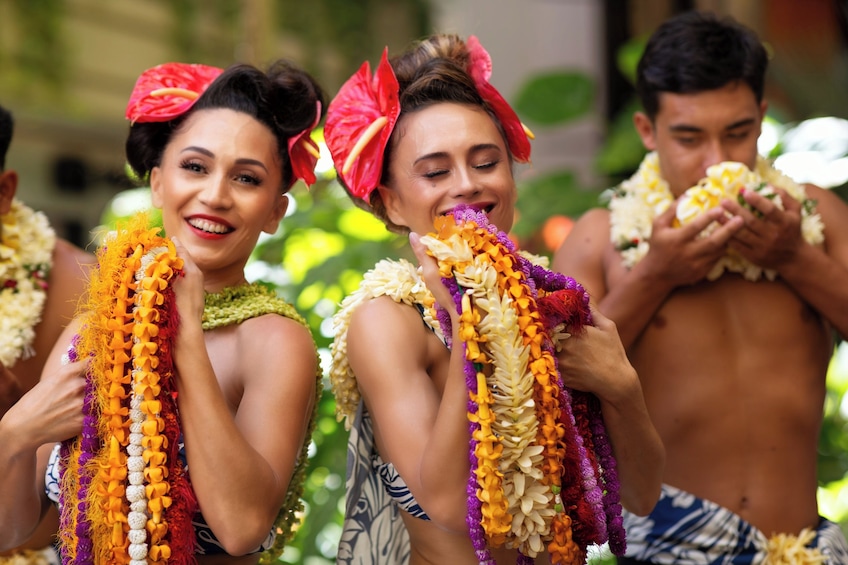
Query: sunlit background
x=67 y=67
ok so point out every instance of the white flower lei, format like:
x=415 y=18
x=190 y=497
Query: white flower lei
x=26 y=255
x=638 y=200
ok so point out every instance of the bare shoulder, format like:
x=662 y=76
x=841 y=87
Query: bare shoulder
x=834 y=214
x=384 y=333
x=583 y=252
x=276 y=335
x=70 y=262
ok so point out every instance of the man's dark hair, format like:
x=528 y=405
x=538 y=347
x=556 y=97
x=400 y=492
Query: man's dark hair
x=695 y=52
x=7 y=127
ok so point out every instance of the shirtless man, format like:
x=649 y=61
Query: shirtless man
x=65 y=284
x=733 y=369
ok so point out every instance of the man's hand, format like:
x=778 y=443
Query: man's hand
x=680 y=255
x=10 y=389
x=771 y=236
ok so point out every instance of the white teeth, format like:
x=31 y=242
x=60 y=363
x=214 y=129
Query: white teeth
x=208 y=226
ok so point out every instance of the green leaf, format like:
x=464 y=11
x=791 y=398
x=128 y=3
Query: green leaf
x=556 y=97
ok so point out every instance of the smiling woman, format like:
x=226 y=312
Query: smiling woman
x=172 y=320
x=466 y=445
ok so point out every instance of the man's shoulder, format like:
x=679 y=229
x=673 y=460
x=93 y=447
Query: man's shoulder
x=71 y=259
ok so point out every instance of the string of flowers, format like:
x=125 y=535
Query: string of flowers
x=476 y=259
x=638 y=200
x=26 y=256
x=116 y=508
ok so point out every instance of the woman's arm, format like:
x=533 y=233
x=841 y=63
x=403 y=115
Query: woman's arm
x=594 y=361
x=241 y=463
x=50 y=412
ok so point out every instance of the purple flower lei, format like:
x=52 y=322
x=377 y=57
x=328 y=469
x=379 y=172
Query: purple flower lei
x=612 y=496
x=89 y=444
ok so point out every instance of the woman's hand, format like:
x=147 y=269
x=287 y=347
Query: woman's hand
x=431 y=276
x=189 y=287
x=595 y=361
x=52 y=410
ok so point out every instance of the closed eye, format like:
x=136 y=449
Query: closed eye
x=488 y=165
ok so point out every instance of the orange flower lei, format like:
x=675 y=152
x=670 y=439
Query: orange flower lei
x=116 y=505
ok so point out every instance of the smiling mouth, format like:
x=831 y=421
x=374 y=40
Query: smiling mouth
x=485 y=209
x=209 y=227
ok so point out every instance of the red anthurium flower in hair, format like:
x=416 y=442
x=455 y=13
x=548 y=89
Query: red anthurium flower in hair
x=480 y=69
x=168 y=91
x=360 y=120
x=304 y=152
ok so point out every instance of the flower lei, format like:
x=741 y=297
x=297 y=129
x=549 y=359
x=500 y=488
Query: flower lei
x=363 y=114
x=26 y=256
x=637 y=201
x=788 y=548
x=542 y=471
x=125 y=494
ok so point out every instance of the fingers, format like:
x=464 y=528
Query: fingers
x=667 y=218
x=418 y=248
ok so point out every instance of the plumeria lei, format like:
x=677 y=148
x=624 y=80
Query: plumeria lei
x=26 y=256
x=542 y=472
x=637 y=201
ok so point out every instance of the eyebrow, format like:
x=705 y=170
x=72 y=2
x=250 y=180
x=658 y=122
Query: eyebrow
x=242 y=161
x=685 y=128
x=442 y=154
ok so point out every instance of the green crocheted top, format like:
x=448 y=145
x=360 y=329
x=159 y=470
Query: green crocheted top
x=234 y=305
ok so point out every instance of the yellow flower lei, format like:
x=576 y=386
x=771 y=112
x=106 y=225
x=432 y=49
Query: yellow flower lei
x=637 y=201
x=788 y=549
x=26 y=256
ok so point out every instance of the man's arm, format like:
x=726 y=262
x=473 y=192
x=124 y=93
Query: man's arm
x=10 y=389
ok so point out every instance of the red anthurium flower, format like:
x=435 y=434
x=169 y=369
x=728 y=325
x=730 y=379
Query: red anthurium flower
x=168 y=90
x=480 y=69
x=304 y=152
x=360 y=120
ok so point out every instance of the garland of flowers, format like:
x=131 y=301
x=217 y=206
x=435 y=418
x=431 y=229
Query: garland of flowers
x=26 y=256
x=785 y=549
x=637 y=201
x=525 y=446
x=125 y=494
x=234 y=305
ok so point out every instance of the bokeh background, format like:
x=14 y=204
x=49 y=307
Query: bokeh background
x=67 y=68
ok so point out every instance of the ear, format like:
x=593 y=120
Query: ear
x=392 y=205
x=645 y=129
x=278 y=214
x=156 y=189
x=8 y=189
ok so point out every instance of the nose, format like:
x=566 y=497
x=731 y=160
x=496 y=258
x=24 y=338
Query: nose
x=465 y=186
x=216 y=192
x=716 y=153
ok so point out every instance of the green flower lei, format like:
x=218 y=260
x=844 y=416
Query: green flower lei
x=234 y=305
